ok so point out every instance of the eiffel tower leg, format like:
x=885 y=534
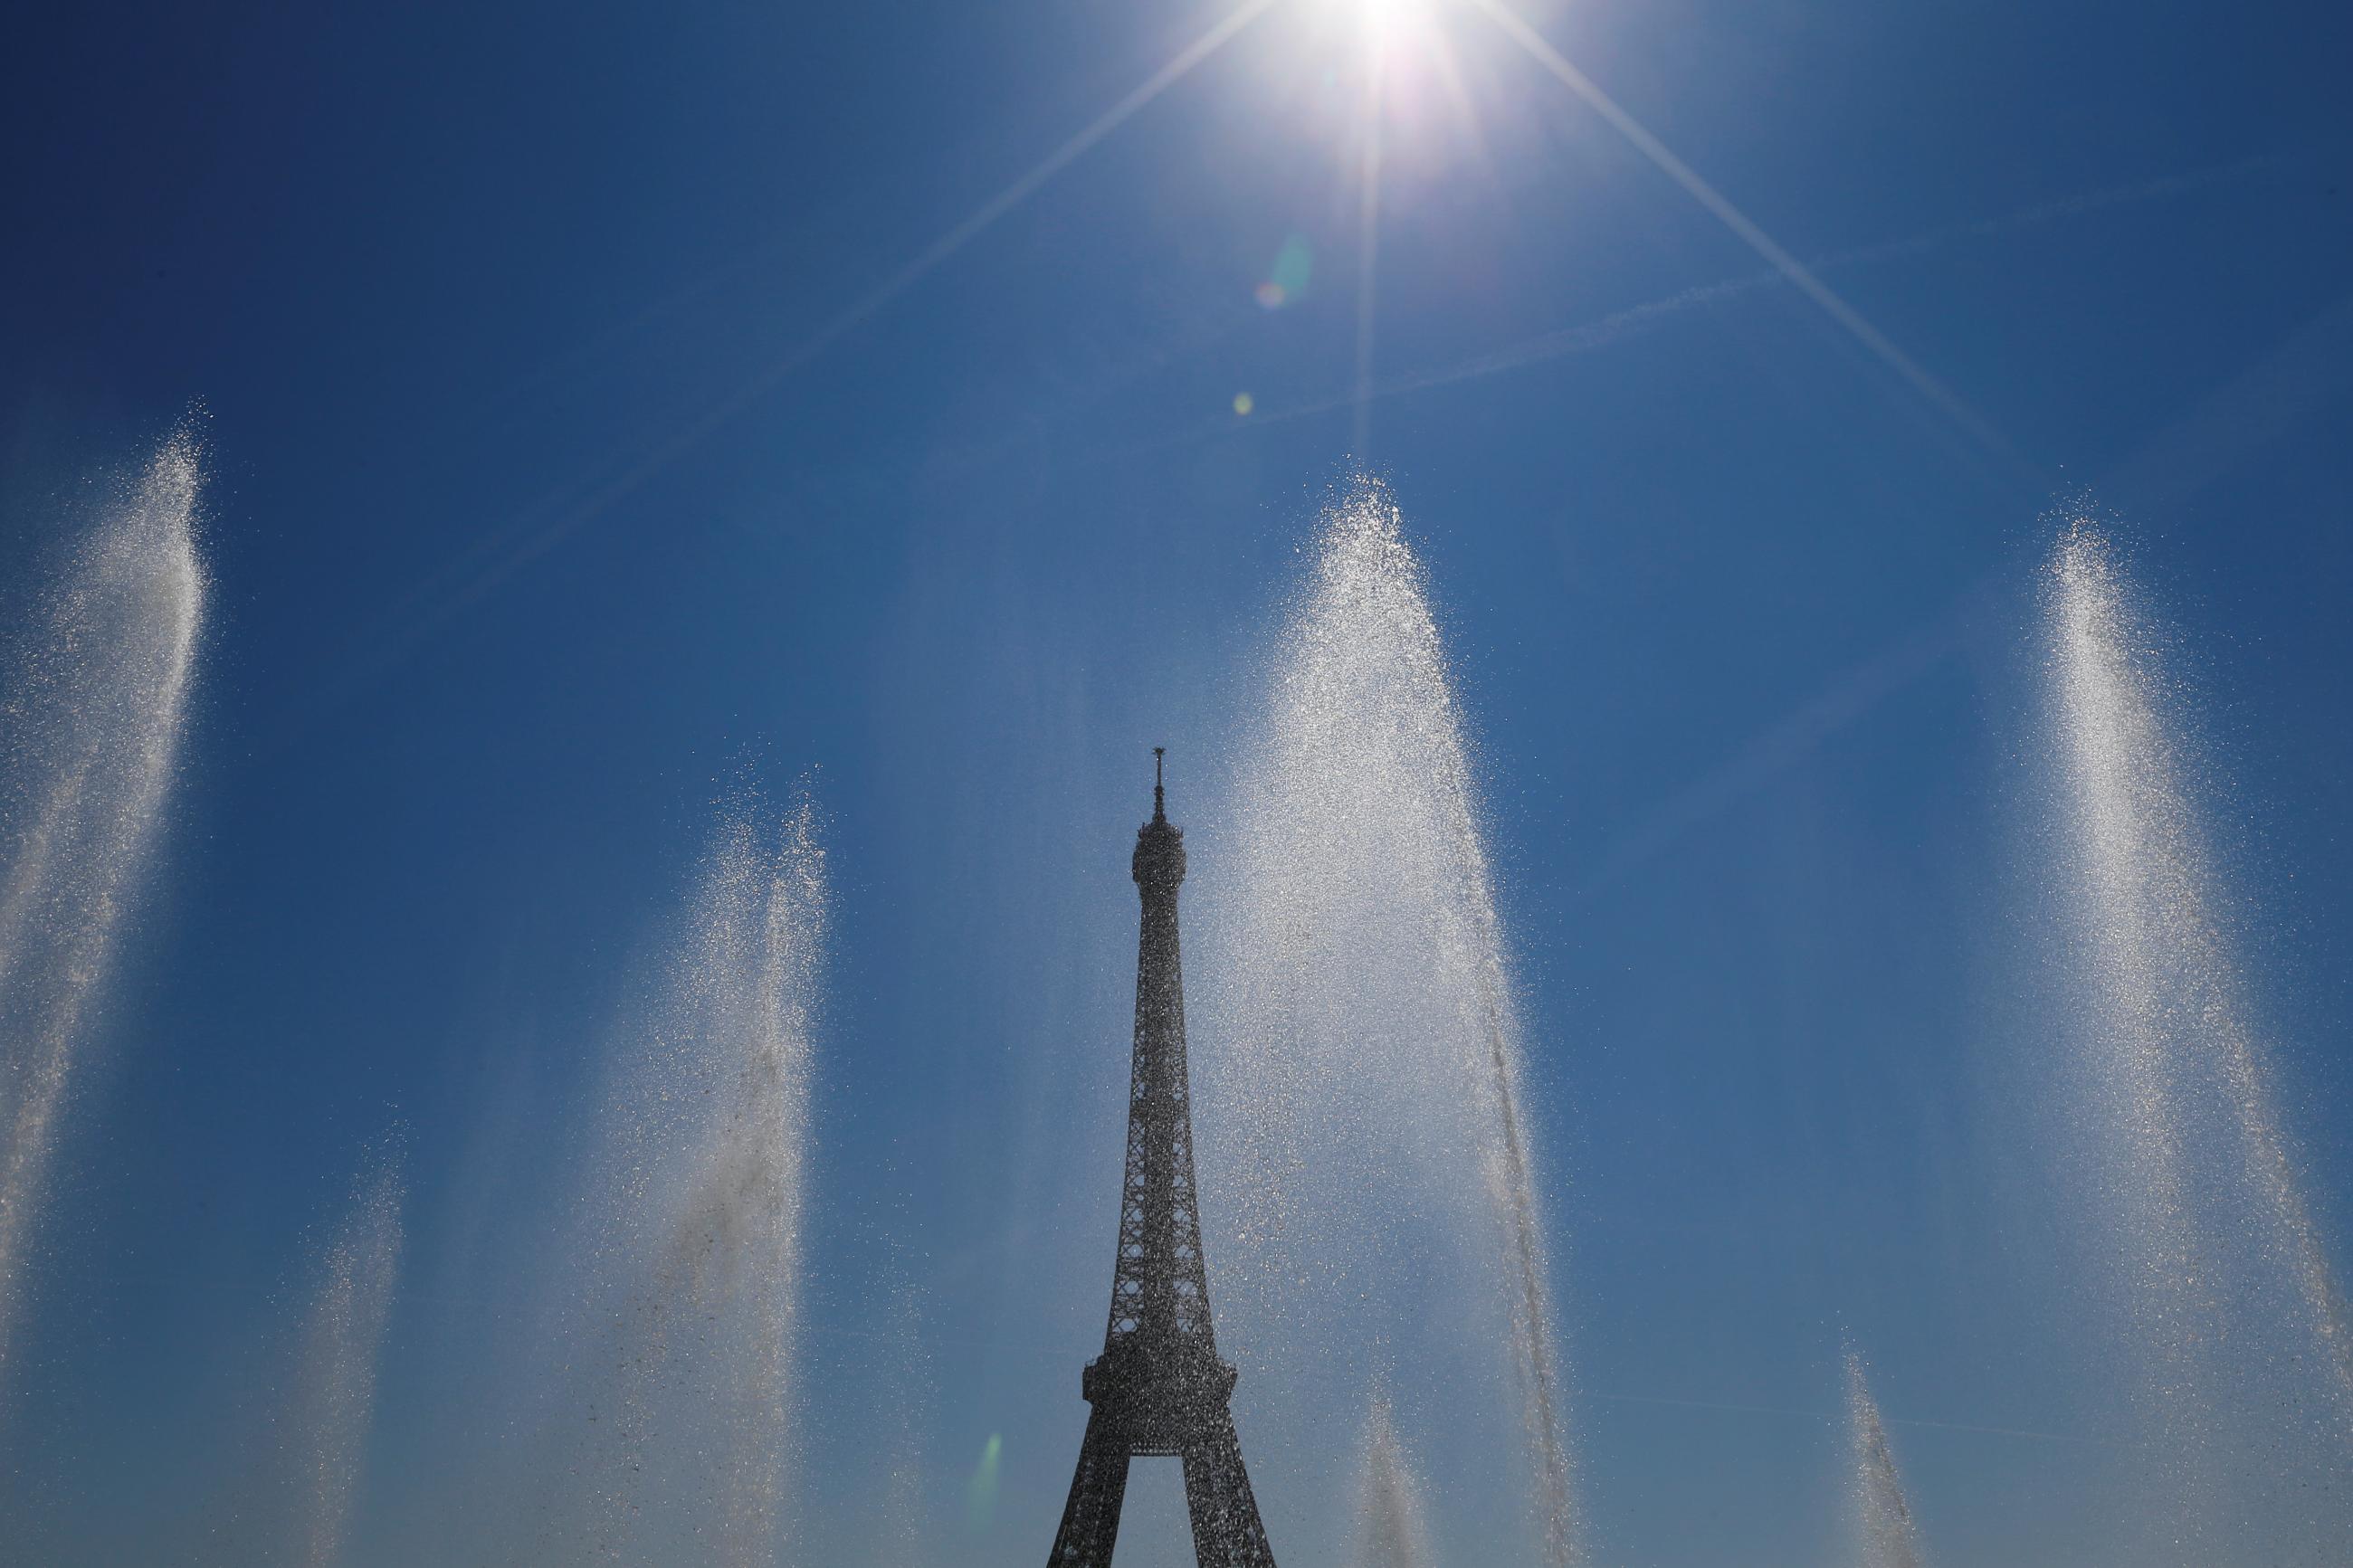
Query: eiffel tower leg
x=1226 y=1529
x=1091 y=1519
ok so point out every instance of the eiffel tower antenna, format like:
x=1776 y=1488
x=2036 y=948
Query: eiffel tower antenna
x=1158 y=1387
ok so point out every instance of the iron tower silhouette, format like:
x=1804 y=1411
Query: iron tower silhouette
x=1158 y=1387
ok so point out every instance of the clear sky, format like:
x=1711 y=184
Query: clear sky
x=608 y=409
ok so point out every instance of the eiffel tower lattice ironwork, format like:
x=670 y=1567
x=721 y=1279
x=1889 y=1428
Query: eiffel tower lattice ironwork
x=1158 y=1387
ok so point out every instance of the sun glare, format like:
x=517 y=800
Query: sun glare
x=1386 y=24
x=1378 y=26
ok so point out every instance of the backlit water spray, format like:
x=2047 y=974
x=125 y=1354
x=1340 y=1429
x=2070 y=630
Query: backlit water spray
x=1885 y=1534
x=2231 y=1317
x=691 y=1271
x=1368 y=1165
x=92 y=719
x=1392 y=1523
x=342 y=1343
x=902 y=1540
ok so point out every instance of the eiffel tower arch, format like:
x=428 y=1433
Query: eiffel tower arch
x=1158 y=1387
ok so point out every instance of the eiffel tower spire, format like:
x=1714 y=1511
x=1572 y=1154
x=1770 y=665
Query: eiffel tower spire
x=1158 y=1387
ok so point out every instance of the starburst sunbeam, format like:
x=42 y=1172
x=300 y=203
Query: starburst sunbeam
x=518 y=543
x=1718 y=206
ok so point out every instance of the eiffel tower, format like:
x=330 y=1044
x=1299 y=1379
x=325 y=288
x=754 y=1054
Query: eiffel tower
x=1158 y=1387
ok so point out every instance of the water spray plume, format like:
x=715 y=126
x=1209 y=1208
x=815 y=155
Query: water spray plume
x=902 y=1541
x=91 y=722
x=690 y=1286
x=1885 y=1533
x=2147 y=877
x=1369 y=1083
x=2232 y=1314
x=342 y=1343
x=1392 y=1528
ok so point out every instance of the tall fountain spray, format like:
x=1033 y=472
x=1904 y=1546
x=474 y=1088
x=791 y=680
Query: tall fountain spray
x=343 y=1341
x=2229 y=1308
x=1392 y=1525
x=690 y=1273
x=902 y=1536
x=90 y=720
x=1373 y=1175
x=1885 y=1533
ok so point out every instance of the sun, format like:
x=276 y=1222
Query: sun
x=1386 y=24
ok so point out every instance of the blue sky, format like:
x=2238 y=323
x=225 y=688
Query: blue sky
x=534 y=526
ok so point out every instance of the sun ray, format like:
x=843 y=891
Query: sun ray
x=1800 y=277
x=517 y=543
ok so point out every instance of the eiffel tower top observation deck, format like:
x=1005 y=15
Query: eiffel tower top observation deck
x=1159 y=1386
